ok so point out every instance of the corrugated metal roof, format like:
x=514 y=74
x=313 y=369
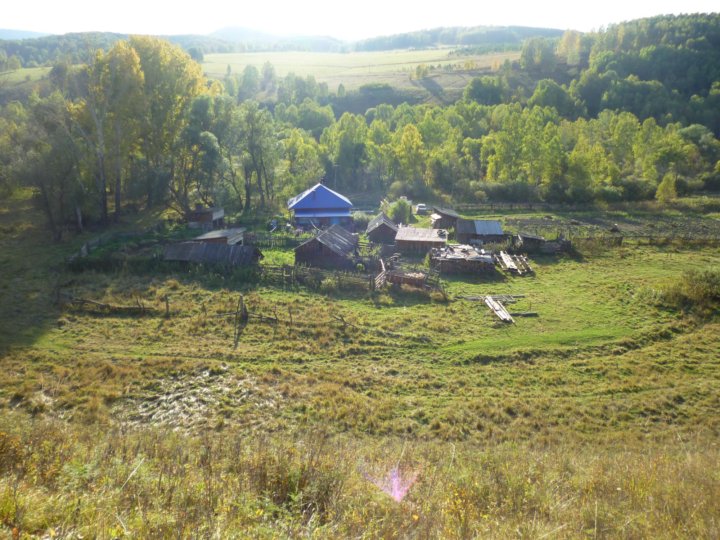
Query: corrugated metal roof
x=203 y=252
x=482 y=227
x=221 y=233
x=380 y=219
x=413 y=234
x=321 y=213
x=318 y=197
x=337 y=239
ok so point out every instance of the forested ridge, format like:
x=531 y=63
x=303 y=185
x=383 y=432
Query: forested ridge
x=79 y=47
x=628 y=113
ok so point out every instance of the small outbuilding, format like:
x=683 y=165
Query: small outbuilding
x=444 y=218
x=529 y=243
x=381 y=229
x=461 y=259
x=321 y=207
x=212 y=253
x=229 y=237
x=332 y=248
x=416 y=240
x=479 y=231
x=206 y=218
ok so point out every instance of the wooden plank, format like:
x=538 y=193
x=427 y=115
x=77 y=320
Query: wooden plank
x=508 y=261
x=498 y=309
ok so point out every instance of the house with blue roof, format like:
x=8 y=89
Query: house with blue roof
x=321 y=207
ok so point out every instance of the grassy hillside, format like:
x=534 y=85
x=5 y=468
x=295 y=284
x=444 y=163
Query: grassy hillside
x=355 y=69
x=598 y=417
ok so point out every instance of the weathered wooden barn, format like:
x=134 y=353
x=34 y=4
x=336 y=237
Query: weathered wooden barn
x=444 y=218
x=206 y=218
x=530 y=243
x=229 y=237
x=332 y=248
x=212 y=253
x=381 y=229
x=480 y=231
x=461 y=259
x=416 y=240
x=320 y=207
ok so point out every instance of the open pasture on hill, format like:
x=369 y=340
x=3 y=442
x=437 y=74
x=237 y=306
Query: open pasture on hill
x=396 y=68
x=597 y=416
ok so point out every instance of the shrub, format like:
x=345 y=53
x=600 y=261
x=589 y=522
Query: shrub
x=400 y=211
x=696 y=289
x=328 y=285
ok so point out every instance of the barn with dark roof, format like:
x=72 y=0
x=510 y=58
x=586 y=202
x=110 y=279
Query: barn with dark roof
x=381 y=229
x=416 y=240
x=332 y=248
x=470 y=231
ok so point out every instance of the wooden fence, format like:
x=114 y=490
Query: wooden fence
x=317 y=278
x=270 y=240
x=95 y=243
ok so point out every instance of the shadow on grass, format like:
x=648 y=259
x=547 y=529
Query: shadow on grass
x=27 y=278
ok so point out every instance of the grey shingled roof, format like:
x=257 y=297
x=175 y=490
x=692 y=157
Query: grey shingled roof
x=482 y=227
x=337 y=239
x=202 y=252
x=378 y=220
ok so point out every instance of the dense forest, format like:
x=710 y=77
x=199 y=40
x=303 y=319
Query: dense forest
x=628 y=113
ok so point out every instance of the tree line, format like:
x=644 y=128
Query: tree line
x=140 y=126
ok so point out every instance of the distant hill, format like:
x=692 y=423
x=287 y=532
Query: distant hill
x=471 y=36
x=239 y=34
x=34 y=49
x=256 y=40
x=19 y=34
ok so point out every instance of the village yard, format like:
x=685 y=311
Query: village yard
x=395 y=361
x=597 y=417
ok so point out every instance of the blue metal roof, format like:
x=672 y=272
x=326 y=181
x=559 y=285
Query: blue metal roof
x=321 y=213
x=319 y=197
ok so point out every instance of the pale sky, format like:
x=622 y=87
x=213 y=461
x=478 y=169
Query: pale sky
x=347 y=20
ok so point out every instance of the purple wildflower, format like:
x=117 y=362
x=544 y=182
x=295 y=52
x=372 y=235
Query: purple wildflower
x=394 y=484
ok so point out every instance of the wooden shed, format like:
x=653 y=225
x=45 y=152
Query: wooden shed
x=381 y=229
x=229 y=237
x=461 y=259
x=530 y=243
x=206 y=218
x=333 y=248
x=444 y=218
x=478 y=231
x=212 y=253
x=415 y=240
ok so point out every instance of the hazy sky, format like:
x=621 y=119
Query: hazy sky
x=340 y=19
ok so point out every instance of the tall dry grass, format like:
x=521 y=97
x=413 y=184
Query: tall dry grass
x=66 y=481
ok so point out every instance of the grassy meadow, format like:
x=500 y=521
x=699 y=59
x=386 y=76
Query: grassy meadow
x=354 y=69
x=598 y=416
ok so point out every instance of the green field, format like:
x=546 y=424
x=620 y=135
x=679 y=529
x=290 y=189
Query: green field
x=396 y=68
x=598 y=417
x=22 y=76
